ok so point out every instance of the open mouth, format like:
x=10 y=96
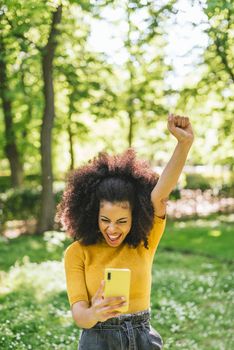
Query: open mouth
x=114 y=238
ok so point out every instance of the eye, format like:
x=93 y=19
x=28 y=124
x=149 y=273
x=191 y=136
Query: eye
x=104 y=220
x=122 y=222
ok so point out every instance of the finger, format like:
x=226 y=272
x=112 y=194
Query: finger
x=100 y=290
x=112 y=308
x=170 y=115
x=186 y=121
x=113 y=301
x=171 y=121
x=178 y=121
x=183 y=122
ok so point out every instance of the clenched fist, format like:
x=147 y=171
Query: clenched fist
x=180 y=127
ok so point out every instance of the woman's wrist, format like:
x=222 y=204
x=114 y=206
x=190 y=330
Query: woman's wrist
x=183 y=147
x=188 y=141
x=93 y=316
x=89 y=318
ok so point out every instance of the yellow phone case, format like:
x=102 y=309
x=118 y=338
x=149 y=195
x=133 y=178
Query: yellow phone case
x=117 y=284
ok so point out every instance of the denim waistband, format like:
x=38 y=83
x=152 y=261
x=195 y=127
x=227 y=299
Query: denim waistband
x=134 y=318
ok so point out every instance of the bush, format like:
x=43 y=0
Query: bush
x=216 y=183
x=198 y=181
x=22 y=204
x=175 y=194
x=227 y=191
x=29 y=181
x=5 y=183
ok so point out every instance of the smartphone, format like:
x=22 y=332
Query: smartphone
x=117 y=284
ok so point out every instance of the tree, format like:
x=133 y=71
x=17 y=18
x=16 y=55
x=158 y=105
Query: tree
x=211 y=97
x=143 y=94
x=84 y=78
x=46 y=218
x=11 y=148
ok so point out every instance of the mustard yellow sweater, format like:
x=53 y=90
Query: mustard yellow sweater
x=84 y=268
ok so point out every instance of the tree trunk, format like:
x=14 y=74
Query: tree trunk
x=130 y=106
x=70 y=135
x=11 y=150
x=46 y=218
x=130 y=131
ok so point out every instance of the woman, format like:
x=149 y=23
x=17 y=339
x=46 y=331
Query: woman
x=115 y=209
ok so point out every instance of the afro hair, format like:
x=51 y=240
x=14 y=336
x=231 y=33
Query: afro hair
x=115 y=178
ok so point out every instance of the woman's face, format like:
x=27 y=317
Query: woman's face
x=115 y=221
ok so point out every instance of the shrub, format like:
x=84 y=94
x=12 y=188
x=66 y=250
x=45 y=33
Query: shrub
x=175 y=194
x=29 y=181
x=22 y=204
x=5 y=183
x=216 y=183
x=227 y=190
x=198 y=181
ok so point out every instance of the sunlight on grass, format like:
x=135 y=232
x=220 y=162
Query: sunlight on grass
x=35 y=244
x=197 y=236
x=43 y=279
x=54 y=239
x=197 y=223
x=215 y=233
x=198 y=240
x=206 y=222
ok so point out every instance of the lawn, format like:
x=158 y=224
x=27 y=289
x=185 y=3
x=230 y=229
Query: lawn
x=192 y=292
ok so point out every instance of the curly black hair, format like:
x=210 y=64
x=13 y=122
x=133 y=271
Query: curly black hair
x=117 y=178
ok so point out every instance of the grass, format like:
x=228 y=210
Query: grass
x=212 y=237
x=192 y=291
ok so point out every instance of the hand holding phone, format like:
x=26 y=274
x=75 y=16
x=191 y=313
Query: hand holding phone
x=117 y=283
x=105 y=308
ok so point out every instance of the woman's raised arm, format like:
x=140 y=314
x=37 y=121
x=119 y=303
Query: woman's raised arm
x=181 y=128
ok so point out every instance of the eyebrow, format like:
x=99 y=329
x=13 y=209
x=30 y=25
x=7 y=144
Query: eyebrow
x=109 y=219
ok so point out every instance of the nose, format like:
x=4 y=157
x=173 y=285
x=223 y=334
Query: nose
x=111 y=227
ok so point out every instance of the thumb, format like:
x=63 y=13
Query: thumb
x=171 y=121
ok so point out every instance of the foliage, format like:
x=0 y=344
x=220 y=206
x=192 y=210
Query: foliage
x=220 y=184
x=195 y=181
x=97 y=99
x=208 y=93
x=30 y=181
x=23 y=40
x=175 y=194
x=5 y=183
x=22 y=204
x=141 y=99
x=227 y=190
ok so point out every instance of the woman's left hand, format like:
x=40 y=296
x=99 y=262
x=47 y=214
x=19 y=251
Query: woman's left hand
x=180 y=127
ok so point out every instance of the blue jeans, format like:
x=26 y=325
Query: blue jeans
x=125 y=332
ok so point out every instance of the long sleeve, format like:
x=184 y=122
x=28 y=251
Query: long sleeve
x=75 y=273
